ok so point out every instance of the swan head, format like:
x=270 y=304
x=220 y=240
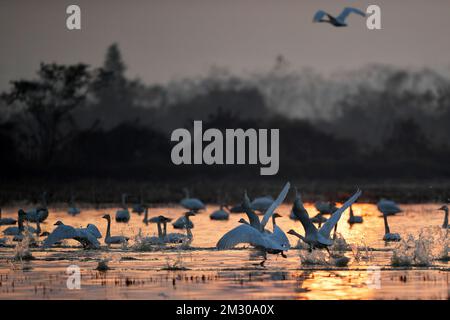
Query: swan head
x=292 y=232
x=189 y=214
x=443 y=208
x=277 y=215
x=242 y=220
x=58 y=223
x=107 y=217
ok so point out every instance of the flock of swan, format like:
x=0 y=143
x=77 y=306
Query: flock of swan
x=254 y=231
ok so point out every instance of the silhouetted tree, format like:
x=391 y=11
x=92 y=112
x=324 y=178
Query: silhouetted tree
x=47 y=103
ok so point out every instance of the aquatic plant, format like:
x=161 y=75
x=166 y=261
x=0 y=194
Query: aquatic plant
x=175 y=264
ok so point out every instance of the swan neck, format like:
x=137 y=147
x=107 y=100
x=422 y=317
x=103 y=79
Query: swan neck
x=160 y=234
x=0 y=213
x=165 y=229
x=386 y=225
x=445 y=225
x=108 y=228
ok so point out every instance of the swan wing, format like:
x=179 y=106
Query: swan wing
x=61 y=232
x=242 y=234
x=280 y=237
x=94 y=230
x=330 y=223
x=301 y=214
x=319 y=15
x=344 y=14
x=279 y=200
x=87 y=236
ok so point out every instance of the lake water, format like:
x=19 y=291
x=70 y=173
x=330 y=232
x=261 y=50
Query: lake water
x=206 y=273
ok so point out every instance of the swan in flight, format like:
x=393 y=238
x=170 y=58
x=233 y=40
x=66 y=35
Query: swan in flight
x=220 y=214
x=388 y=207
x=301 y=207
x=388 y=236
x=113 y=239
x=319 y=238
x=445 y=209
x=123 y=215
x=6 y=221
x=254 y=232
x=354 y=219
x=39 y=213
x=73 y=210
x=192 y=204
x=338 y=21
x=86 y=236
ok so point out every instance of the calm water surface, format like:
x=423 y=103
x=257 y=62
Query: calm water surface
x=210 y=274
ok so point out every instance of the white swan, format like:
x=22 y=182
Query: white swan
x=179 y=237
x=254 y=233
x=38 y=213
x=338 y=21
x=220 y=214
x=17 y=231
x=261 y=204
x=113 y=239
x=193 y=204
x=388 y=236
x=123 y=215
x=182 y=223
x=354 y=219
x=139 y=207
x=445 y=209
x=325 y=207
x=73 y=210
x=6 y=221
x=85 y=236
x=388 y=207
x=319 y=238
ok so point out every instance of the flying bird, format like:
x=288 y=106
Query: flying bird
x=338 y=21
x=254 y=232
x=319 y=238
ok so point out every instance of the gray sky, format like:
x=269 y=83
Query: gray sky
x=167 y=39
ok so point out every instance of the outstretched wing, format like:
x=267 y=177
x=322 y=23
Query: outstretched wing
x=344 y=14
x=280 y=237
x=61 y=232
x=275 y=204
x=241 y=234
x=300 y=212
x=329 y=225
x=319 y=15
x=93 y=230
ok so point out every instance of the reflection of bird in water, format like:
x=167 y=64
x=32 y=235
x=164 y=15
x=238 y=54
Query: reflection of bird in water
x=6 y=221
x=354 y=219
x=445 y=209
x=123 y=215
x=388 y=236
x=388 y=207
x=83 y=235
x=319 y=238
x=220 y=214
x=254 y=232
x=113 y=239
x=192 y=204
x=338 y=21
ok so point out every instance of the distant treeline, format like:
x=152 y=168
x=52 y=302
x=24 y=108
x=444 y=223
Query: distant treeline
x=75 y=122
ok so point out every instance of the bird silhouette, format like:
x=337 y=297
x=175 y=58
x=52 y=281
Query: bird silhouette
x=338 y=21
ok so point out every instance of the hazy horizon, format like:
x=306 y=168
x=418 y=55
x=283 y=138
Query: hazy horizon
x=165 y=40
